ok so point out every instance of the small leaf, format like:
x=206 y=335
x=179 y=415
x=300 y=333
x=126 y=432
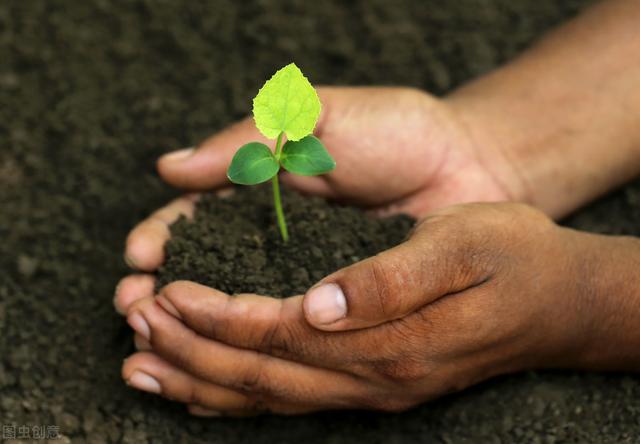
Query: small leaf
x=287 y=102
x=253 y=163
x=307 y=157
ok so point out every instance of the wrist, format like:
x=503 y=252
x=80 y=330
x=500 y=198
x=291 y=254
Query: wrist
x=589 y=306
x=560 y=128
x=609 y=300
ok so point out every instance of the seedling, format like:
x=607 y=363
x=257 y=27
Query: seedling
x=286 y=106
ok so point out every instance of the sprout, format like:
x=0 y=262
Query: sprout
x=287 y=105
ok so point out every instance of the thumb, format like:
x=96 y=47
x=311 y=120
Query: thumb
x=205 y=166
x=433 y=262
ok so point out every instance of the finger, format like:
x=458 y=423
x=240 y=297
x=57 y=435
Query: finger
x=148 y=372
x=145 y=243
x=276 y=327
x=131 y=288
x=205 y=166
x=441 y=257
x=239 y=369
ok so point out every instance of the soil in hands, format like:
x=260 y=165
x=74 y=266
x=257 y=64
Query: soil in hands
x=233 y=243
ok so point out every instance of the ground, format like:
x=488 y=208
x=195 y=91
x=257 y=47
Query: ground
x=93 y=91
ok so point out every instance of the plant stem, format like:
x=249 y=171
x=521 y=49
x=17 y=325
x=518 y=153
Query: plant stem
x=279 y=213
x=279 y=145
x=276 y=195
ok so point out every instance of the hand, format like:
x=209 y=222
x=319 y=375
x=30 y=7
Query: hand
x=395 y=147
x=397 y=150
x=478 y=290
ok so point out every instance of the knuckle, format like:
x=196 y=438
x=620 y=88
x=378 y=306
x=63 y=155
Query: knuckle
x=252 y=379
x=385 y=276
x=218 y=323
x=462 y=241
x=266 y=342
x=277 y=339
x=402 y=371
x=281 y=336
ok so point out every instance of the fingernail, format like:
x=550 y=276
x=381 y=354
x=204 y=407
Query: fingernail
x=168 y=306
x=326 y=304
x=139 y=324
x=115 y=299
x=143 y=381
x=130 y=262
x=119 y=309
x=196 y=410
x=178 y=155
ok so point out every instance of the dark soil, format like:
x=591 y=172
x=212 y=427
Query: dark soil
x=233 y=244
x=91 y=92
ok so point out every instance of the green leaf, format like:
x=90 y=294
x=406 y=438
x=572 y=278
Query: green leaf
x=287 y=102
x=307 y=157
x=253 y=163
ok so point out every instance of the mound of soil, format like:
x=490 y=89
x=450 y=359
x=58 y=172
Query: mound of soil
x=233 y=244
x=92 y=92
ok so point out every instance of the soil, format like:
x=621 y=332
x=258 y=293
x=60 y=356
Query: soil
x=91 y=92
x=233 y=244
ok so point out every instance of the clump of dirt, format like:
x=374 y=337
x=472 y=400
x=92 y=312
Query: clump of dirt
x=233 y=244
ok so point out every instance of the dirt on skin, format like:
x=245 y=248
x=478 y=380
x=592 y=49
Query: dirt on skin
x=233 y=244
x=91 y=92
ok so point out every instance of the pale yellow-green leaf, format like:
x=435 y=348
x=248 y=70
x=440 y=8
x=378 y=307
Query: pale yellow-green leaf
x=287 y=102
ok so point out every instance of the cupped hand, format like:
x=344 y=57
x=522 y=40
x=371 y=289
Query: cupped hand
x=477 y=290
x=395 y=147
x=397 y=150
